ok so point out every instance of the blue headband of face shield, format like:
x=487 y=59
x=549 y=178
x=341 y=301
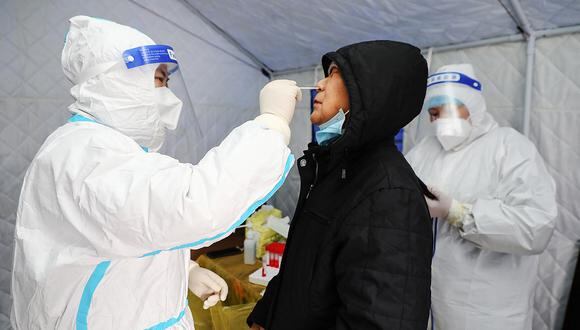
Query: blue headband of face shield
x=133 y=58
x=453 y=77
x=151 y=54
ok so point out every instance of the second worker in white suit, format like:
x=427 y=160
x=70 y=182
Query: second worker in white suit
x=496 y=210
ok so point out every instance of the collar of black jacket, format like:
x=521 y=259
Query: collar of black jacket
x=386 y=82
x=328 y=158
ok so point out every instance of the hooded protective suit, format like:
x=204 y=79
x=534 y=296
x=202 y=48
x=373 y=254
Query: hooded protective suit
x=104 y=229
x=484 y=267
x=358 y=254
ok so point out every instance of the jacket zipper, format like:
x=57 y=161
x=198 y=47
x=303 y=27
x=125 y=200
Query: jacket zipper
x=289 y=241
x=315 y=176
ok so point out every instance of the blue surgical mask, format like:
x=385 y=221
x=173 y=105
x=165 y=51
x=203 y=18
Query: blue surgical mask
x=331 y=129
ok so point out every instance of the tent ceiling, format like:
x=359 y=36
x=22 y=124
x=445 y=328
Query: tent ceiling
x=292 y=34
x=551 y=14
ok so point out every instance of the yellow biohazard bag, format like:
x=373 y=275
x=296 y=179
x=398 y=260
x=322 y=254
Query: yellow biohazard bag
x=257 y=223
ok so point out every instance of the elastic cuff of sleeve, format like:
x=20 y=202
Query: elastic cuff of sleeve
x=192 y=265
x=468 y=226
x=457 y=213
x=276 y=123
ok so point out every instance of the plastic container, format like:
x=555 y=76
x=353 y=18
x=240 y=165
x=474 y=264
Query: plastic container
x=250 y=248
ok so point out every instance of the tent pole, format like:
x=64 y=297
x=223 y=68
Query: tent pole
x=471 y=44
x=530 y=57
x=522 y=19
x=530 y=54
x=295 y=70
x=485 y=42
x=558 y=31
x=499 y=40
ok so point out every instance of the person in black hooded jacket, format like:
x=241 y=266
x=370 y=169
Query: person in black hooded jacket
x=358 y=254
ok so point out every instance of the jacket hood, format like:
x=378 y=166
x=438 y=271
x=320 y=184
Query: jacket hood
x=386 y=82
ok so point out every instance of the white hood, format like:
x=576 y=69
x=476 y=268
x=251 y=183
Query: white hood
x=122 y=99
x=481 y=121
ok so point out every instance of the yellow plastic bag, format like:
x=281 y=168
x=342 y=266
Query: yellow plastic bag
x=266 y=235
x=230 y=317
x=201 y=317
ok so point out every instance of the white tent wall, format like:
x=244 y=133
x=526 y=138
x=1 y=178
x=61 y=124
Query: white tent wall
x=554 y=123
x=223 y=84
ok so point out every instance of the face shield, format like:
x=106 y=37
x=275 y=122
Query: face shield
x=445 y=112
x=164 y=100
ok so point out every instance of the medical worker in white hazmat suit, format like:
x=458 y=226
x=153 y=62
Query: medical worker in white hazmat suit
x=495 y=213
x=105 y=224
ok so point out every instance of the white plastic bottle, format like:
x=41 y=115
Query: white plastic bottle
x=250 y=248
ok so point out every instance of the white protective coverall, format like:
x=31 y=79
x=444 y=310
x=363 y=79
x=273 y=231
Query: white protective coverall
x=104 y=229
x=484 y=270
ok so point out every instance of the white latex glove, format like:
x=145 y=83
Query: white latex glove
x=279 y=98
x=206 y=285
x=277 y=104
x=447 y=208
x=439 y=208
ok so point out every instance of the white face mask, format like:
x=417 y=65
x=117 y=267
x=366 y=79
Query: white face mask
x=451 y=132
x=157 y=140
x=169 y=107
